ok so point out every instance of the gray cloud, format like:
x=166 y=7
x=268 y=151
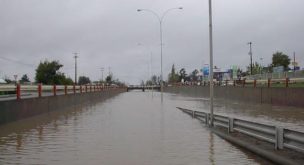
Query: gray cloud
x=106 y=34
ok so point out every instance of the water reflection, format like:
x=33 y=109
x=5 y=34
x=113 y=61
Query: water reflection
x=19 y=142
x=132 y=128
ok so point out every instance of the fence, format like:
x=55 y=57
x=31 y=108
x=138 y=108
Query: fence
x=286 y=82
x=53 y=90
x=281 y=138
x=280 y=75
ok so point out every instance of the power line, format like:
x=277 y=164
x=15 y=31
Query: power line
x=15 y=61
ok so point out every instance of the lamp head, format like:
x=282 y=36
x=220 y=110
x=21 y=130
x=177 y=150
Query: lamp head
x=180 y=8
x=138 y=10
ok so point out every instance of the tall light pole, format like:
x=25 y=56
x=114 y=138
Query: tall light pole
x=160 y=19
x=250 y=54
x=211 y=63
x=101 y=69
x=294 y=61
x=75 y=56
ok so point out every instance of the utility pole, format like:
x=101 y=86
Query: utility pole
x=75 y=56
x=102 y=69
x=250 y=53
x=211 y=62
x=294 y=61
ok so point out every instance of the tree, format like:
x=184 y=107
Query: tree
x=7 y=80
x=182 y=74
x=256 y=69
x=154 y=80
x=173 y=77
x=193 y=75
x=48 y=73
x=82 y=80
x=109 y=78
x=24 y=79
x=280 y=59
x=241 y=73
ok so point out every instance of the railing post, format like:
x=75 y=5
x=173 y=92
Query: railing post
x=254 y=83
x=226 y=83
x=90 y=88
x=80 y=89
x=207 y=119
x=279 y=138
x=234 y=83
x=286 y=82
x=18 y=92
x=269 y=82
x=230 y=123
x=74 y=88
x=86 y=88
x=94 y=88
x=54 y=90
x=39 y=90
x=65 y=90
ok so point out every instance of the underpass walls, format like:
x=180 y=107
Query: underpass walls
x=274 y=96
x=13 y=110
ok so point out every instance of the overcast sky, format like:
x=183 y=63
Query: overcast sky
x=107 y=33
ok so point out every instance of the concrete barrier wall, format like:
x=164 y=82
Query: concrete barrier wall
x=275 y=96
x=14 y=110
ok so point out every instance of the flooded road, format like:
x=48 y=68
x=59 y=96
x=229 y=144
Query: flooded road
x=133 y=128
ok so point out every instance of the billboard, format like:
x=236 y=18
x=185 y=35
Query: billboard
x=205 y=70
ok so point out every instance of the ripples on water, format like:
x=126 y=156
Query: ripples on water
x=129 y=129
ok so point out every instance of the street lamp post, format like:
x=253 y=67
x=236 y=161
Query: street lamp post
x=75 y=56
x=160 y=19
x=211 y=63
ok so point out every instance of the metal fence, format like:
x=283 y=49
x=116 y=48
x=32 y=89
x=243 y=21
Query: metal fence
x=281 y=138
x=280 y=75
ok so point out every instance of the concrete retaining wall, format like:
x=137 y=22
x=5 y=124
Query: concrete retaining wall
x=275 y=96
x=14 y=110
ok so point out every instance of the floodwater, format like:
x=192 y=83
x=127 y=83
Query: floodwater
x=133 y=128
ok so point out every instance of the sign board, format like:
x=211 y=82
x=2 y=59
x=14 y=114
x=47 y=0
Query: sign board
x=206 y=70
x=278 y=69
x=294 y=64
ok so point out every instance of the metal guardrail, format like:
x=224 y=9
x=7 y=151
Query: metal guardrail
x=53 y=89
x=281 y=138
